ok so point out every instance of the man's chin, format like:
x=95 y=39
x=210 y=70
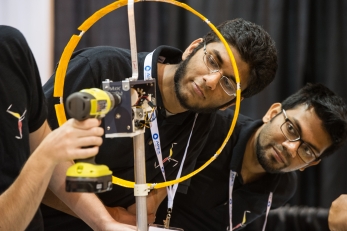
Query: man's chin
x=194 y=107
x=272 y=169
x=267 y=164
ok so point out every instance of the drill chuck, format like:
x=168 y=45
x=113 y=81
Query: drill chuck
x=91 y=103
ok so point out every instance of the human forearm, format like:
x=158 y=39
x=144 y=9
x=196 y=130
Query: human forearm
x=21 y=200
x=154 y=199
x=78 y=203
x=23 y=197
x=51 y=200
x=86 y=206
x=128 y=216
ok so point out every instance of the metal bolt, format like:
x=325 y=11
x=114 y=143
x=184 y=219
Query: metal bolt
x=128 y=127
x=118 y=116
x=108 y=128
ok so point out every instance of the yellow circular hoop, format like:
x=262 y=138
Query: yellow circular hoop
x=74 y=40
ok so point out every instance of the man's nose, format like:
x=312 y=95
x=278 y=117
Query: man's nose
x=212 y=79
x=292 y=147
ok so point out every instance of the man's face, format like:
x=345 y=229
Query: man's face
x=276 y=154
x=197 y=88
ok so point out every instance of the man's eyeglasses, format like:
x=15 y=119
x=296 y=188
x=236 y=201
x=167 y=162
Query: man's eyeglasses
x=228 y=86
x=291 y=134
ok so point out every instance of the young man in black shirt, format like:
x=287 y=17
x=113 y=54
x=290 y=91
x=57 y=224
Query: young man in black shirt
x=199 y=80
x=30 y=153
x=263 y=154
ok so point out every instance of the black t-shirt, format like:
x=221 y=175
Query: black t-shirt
x=205 y=207
x=22 y=108
x=87 y=69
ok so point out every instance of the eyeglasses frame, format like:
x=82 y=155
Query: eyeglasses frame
x=286 y=119
x=218 y=70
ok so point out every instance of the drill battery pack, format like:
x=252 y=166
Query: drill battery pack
x=86 y=177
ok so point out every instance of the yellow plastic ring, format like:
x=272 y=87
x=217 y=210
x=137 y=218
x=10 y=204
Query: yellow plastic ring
x=70 y=47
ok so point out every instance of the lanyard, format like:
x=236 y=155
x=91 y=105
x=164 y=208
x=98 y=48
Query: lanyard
x=147 y=67
x=171 y=190
x=231 y=186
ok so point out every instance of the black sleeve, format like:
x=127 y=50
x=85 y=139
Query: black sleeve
x=19 y=68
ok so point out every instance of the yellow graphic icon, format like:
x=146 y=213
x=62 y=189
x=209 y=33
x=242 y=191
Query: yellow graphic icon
x=168 y=158
x=20 y=119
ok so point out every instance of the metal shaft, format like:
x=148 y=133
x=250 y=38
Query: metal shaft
x=140 y=178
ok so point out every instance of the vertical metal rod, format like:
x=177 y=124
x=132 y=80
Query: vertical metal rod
x=140 y=178
x=132 y=34
x=139 y=141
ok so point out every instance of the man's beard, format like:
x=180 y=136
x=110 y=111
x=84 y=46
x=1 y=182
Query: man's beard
x=183 y=99
x=265 y=163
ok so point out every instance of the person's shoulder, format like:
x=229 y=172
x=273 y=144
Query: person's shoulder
x=103 y=49
x=101 y=52
x=228 y=115
x=9 y=31
x=168 y=54
x=10 y=34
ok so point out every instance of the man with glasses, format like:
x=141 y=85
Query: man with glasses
x=255 y=171
x=197 y=82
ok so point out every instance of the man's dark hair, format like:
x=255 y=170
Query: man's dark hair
x=256 y=48
x=330 y=108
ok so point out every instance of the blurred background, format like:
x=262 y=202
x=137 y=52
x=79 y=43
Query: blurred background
x=310 y=35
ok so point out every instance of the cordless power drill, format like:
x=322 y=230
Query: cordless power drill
x=85 y=175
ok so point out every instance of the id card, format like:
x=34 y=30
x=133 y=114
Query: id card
x=154 y=227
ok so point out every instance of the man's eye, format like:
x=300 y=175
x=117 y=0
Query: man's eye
x=307 y=149
x=291 y=128
x=212 y=63
x=226 y=82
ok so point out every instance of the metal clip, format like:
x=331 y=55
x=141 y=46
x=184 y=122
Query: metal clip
x=167 y=220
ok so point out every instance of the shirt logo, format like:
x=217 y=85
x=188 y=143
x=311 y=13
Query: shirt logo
x=147 y=68
x=20 y=119
x=168 y=158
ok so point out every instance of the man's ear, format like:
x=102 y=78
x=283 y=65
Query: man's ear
x=310 y=164
x=231 y=104
x=191 y=47
x=272 y=112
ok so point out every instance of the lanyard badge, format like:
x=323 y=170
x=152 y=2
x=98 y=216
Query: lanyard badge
x=166 y=226
x=155 y=227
